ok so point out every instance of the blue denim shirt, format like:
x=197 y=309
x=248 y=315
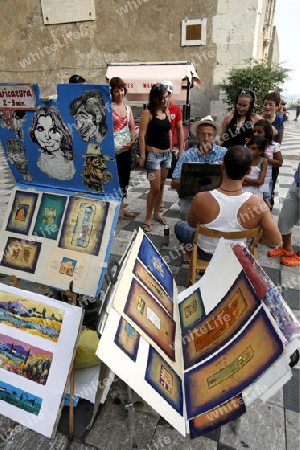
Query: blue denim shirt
x=194 y=155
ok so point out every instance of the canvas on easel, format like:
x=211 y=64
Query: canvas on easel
x=61 y=216
x=199 y=177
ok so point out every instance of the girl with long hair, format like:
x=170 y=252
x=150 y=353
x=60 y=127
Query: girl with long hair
x=155 y=150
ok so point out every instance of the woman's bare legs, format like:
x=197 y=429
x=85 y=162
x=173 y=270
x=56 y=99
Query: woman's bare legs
x=158 y=200
x=155 y=180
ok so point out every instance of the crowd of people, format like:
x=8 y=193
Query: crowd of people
x=248 y=150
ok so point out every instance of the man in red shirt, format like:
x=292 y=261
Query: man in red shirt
x=176 y=119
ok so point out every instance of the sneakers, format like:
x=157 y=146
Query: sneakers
x=291 y=261
x=278 y=252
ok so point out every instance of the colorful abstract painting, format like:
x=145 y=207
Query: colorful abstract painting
x=156 y=265
x=127 y=339
x=83 y=225
x=164 y=380
x=21 y=254
x=152 y=284
x=24 y=359
x=23 y=207
x=20 y=399
x=145 y=312
x=191 y=310
x=30 y=316
x=234 y=368
x=221 y=324
x=49 y=216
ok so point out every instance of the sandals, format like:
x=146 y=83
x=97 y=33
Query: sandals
x=291 y=261
x=147 y=227
x=161 y=220
x=130 y=214
x=278 y=252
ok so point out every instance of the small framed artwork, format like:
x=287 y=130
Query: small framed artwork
x=21 y=254
x=23 y=207
x=49 y=216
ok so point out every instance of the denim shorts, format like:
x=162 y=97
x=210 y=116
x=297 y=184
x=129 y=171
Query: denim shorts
x=157 y=161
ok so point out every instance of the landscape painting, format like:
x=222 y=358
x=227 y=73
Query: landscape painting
x=24 y=359
x=20 y=399
x=27 y=315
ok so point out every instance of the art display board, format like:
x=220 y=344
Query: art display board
x=61 y=217
x=195 y=357
x=38 y=338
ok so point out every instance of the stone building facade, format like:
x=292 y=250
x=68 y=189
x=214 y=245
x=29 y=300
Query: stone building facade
x=136 y=30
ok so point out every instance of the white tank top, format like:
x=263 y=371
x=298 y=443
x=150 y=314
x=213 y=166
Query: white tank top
x=227 y=219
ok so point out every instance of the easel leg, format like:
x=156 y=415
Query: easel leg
x=131 y=417
x=14 y=280
x=73 y=298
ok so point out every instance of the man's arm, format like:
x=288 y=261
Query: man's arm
x=175 y=184
x=271 y=234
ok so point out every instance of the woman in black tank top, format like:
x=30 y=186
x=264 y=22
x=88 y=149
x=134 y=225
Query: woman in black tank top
x=237 y=125
x=155 y=144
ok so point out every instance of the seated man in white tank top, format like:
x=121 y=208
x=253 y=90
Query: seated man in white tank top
x=228 y=208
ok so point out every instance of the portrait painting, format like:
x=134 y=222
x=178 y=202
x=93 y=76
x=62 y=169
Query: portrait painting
x=89 y=112
x=23 y=207
x=16 y=153
x=55 y=143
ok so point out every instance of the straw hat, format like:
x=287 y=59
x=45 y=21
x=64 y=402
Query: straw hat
x=207 y=120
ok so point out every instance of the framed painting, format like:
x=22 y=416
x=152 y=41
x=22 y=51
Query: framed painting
x=23 y=207
x=21 y=254
x=234 y=368
x=83 y=225
x=127 y=339
x=49 y=216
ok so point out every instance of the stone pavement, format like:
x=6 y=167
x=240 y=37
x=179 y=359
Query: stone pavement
x=270 y=426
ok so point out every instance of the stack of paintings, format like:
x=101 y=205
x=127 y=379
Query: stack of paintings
x=37 y=340
x=195 y=356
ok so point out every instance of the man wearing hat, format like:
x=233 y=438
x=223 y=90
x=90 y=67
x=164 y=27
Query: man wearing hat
x=96 y=173
x=206 y=150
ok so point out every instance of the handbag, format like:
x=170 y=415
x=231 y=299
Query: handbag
x=123 y=136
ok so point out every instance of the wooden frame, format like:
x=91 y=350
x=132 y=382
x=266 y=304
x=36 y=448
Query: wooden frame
x=199 y=266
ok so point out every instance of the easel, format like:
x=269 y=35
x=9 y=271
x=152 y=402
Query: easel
x=111 y=279
x=73 y=299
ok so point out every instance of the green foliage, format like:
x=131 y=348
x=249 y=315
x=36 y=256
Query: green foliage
x=259 y=76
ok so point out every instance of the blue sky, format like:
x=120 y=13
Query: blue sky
x=287 y=16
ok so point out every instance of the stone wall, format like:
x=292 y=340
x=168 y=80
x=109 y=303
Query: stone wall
x=126 y=31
